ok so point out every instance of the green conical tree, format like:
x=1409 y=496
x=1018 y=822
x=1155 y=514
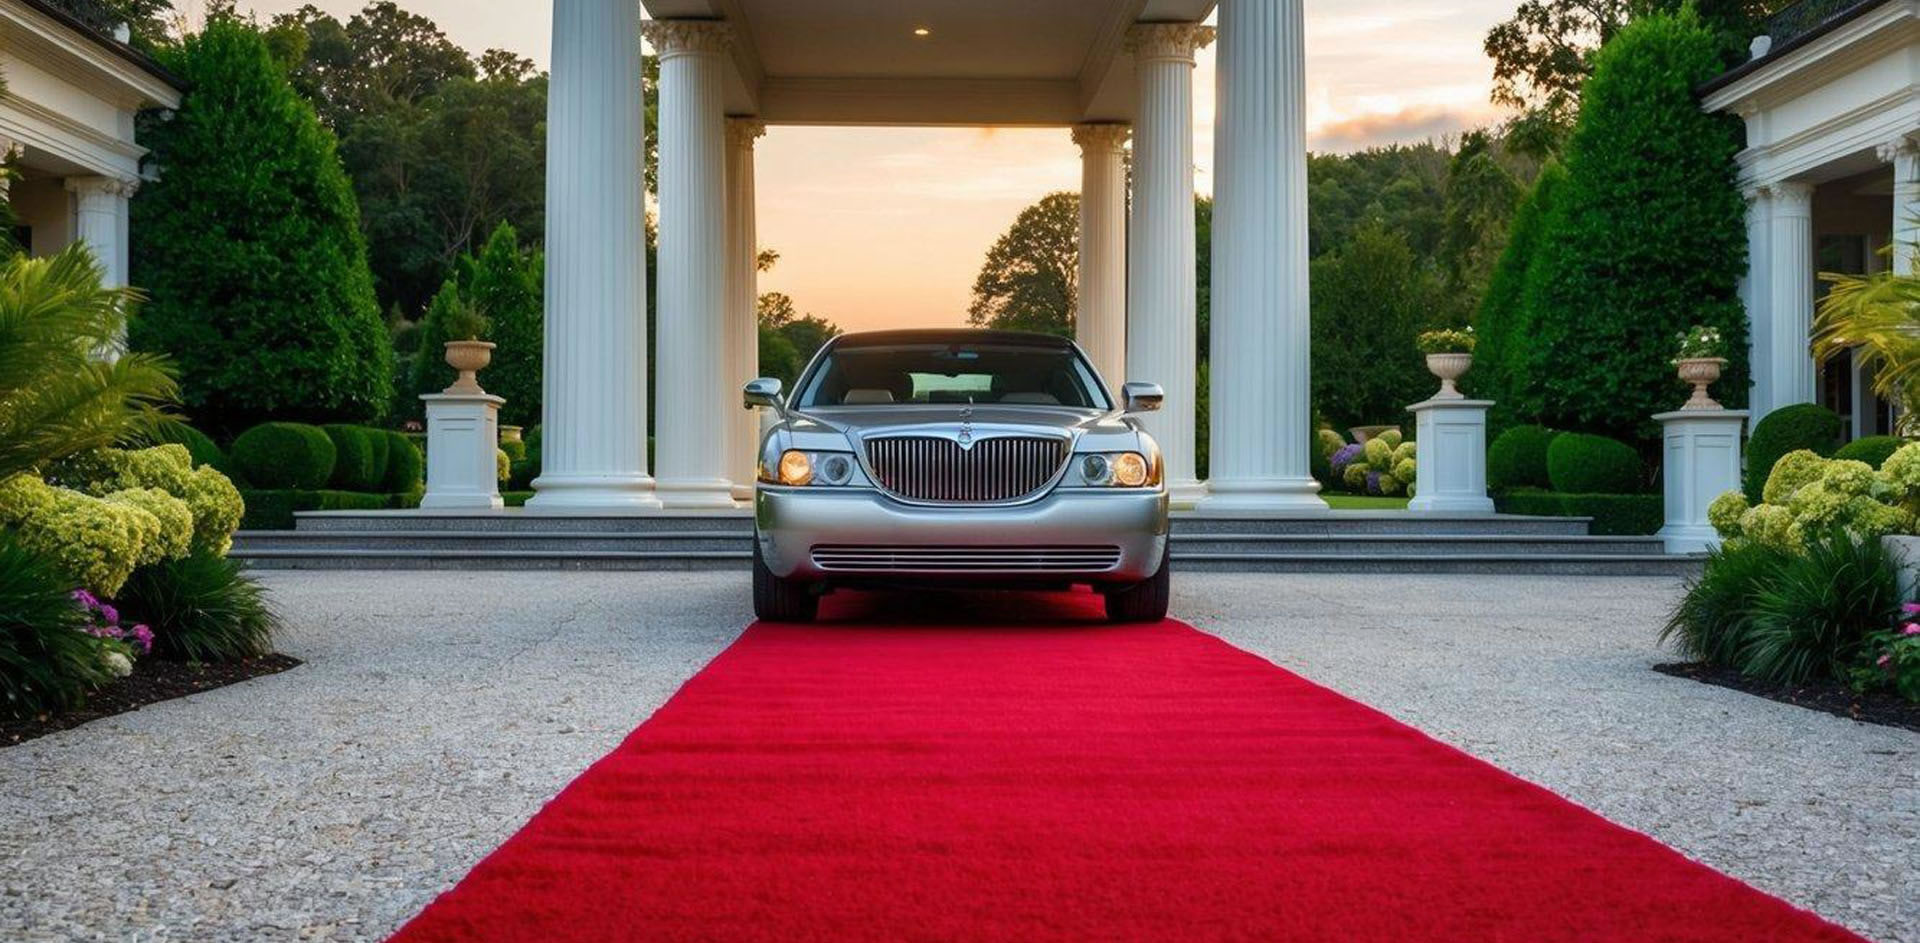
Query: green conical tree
x=1501 y=322
x=1647 y=237
x=249 y=246
x=505 y=287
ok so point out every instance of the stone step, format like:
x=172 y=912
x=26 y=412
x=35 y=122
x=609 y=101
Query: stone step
x=1347 y=523
x=1464 y=563
x=489 y=560
x=696 y=541
x=1186 y=545
x=513 y=521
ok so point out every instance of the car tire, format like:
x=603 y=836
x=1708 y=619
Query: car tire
x=778 y=600
x=1144 y=601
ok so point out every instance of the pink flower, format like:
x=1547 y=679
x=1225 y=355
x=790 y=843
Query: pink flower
x=1912 y=608
x=1911 y=628
x=110 y=614
x=142 y=638
x=1884 y=661
x=86 y=599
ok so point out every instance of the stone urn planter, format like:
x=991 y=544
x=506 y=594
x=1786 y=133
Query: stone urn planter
x=512 y=433
x=1701 y=372
x=1449 y=367
x=469 y=358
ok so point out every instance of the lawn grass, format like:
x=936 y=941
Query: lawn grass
x=1362 y=502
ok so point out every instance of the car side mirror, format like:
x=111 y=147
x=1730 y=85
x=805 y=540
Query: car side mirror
x=1142 y=397
x=764 y=392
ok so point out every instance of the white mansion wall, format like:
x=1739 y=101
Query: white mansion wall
x=46 y=206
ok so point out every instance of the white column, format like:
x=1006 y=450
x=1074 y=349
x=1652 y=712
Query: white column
x=1260 y=369
x=693 y=441
x=1702 y=463
x=594 y=441
x=1904 y=155
x=101 y=221
x=1790 y=295
x=1100 y=323
x=1755 y=289
x=1160 y=250
x=743 y=293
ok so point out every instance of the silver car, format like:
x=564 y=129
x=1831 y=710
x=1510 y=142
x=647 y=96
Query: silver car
x=967 y=457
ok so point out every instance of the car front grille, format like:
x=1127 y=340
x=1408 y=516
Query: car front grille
x=932 y=468
x=872 y=558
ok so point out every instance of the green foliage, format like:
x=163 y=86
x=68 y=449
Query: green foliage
x=505 y=286
x=93 y=543
x=1370 y=300
x=1873 y=450
x=217 y=510
x=1613 y=515
x=201 y=448
x=201 y=608
x=284 y=455
x=47 y=663
x=210 y=497
x=1714 y=618
x=1591 y=464
x=355 y=465
x=1647 y=237
x=1788 y=429
x=272 y=311
x=1502 y=322
x=1029 y=281
x=1807 y=495
x=1518 y=458
x=406 y=465
x=1876 y=318
x=170 y=535
x=274 y=509
x=1816 y=609
x=1891 y=659
x=57 y=397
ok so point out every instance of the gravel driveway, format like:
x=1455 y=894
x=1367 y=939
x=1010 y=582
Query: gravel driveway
x=437 y=711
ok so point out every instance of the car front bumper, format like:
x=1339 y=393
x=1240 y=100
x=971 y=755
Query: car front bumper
x=1082 y=535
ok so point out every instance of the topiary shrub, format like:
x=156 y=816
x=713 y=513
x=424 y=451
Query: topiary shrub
x=1593 y=464
x=284 y=455
x=201 y=449
x=353 y=464
x=1610 y=515
x=406 y=465
x=275 y=510
x=380 y=450
x=1788 y=429
x=47 y=662
x=272 y=312
x=1518 y=458
x=1874 y=449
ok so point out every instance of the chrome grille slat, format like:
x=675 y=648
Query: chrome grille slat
x=876 y=557
x=994 y=469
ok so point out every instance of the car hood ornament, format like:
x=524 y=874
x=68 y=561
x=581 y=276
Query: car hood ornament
x=966 y=425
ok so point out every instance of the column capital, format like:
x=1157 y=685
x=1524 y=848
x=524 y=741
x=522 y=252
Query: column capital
x=10 y=149
x=104 y=186
x=1168 y=41
x=1101 y=138
x=1906 y=145
x=1791 y=197
x=741 y=131
x=687 y=37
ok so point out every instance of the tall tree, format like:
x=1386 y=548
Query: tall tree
x=1502 y=322
x=1370 y=300
x=1029 y=279
x=251 y=249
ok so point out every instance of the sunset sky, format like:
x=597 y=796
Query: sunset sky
x=887 y=227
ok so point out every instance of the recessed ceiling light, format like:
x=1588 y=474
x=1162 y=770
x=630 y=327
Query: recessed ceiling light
x=922 y=31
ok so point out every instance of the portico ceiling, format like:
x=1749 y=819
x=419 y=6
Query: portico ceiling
x=980 y=62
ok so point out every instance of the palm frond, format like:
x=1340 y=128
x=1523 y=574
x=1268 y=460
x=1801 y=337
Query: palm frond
x=1878 y=317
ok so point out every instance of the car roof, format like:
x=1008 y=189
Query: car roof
x=950 y=336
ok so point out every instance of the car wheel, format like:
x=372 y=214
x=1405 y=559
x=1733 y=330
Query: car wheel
x=1144 y=601
x=778 y=600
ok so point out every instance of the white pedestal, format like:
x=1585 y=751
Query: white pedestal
x=463 y=433
x=1702 y=463
x=1452 y=441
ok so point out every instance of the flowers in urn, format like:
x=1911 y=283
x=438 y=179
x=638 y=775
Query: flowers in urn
x=1700 y=359
x=1449 y=355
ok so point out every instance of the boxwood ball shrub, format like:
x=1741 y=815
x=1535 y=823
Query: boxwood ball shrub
x=1591 y=464
x=201 y=449
x=406 y=465
x=1874 y=449
x=47 y=663
x=1518 y=458
x=1788 y=429
x=354 y=466
x=285 y=455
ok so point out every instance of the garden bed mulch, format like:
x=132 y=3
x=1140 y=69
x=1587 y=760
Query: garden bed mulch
x=152 y=681
x=1879 y=707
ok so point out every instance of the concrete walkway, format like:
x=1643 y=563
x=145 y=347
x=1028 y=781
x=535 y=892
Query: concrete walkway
x=437 y=711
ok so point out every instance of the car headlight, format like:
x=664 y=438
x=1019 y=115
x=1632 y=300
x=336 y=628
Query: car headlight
x=1118 y=470
x=798 y=468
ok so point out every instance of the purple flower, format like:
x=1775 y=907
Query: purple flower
x=109 y=614
x=142 y=638
x=86 y=599
x=1912 y=608
x=1373 y=483
x=1345 y=456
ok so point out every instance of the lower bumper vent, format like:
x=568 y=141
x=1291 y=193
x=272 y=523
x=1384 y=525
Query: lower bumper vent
x=870 y=558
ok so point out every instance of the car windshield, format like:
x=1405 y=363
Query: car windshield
x=918 y=374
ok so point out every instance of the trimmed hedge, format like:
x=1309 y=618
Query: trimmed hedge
x=1614 y=515
x=1788 y=429
x=1518 y=458
x=354 y=466
x=406 y=465
x=1591 y=464
x=203 y=449
x=284 y=455
x=1874 y=449
x=274 y=509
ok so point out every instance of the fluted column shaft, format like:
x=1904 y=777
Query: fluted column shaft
x=1161 y=280
x=1100 y=321
x=743 y=293
x=1755 y=289
x=1904 y=155
x=594 y=441
x=694 y=435
x=1261 y=331
x=101 y=221
x=1790 y=293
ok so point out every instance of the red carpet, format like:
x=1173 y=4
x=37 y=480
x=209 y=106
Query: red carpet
x=1059 y=779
